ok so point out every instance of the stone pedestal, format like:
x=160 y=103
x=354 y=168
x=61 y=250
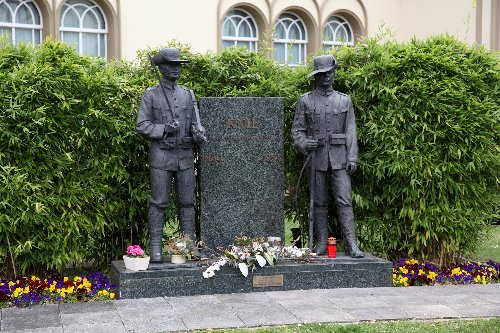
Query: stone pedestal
x=321 y=273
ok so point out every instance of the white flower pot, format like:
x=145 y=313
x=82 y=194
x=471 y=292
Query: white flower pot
x=177 y=258
x=136 y=264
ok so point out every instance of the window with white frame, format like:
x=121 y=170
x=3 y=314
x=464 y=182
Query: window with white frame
x=290 y=40
x=84 y=26
x=337 y=32
x=21 y=21
x=239 y=29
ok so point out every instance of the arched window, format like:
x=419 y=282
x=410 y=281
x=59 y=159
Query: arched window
x=337 y=32
x=290 y=40
x=21 y=21
x=83 y=25
x=239 y=29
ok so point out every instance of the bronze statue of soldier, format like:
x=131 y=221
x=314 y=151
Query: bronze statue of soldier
x=168 y=117
x=324 y=130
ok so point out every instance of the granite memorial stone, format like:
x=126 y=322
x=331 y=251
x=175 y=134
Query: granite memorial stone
x=242 y=172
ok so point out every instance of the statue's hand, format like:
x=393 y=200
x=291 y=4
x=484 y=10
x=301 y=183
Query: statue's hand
x=199 y=135
x=351 y=168
x=306 y=146
x=172 y=127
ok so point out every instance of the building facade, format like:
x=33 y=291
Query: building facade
x=291 y=29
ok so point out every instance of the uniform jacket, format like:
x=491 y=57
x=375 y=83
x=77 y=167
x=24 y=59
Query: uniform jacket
x=327 y=116
x=172 y=152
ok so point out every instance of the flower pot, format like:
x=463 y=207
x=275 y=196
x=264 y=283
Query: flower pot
x=177 y=259
x=136 y=264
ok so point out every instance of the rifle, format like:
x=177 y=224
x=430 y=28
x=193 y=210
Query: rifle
x=164 y=91
x=312 y=189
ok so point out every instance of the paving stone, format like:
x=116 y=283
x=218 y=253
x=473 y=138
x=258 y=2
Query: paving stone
x=36 y=310
x=294 y=294
x=141 y=302
x=84 y=307
x=430 y=311
x=418 y=299
x=376 y=313
x=210 y=312
x=30 y=322
x=95 y=328
x=464 y=299
x=258 y=309
x=38 y=330
x=151 y=326
x=252 y=298
x=359 y=301
x=492 y=297
x=484 y=310
x=315 y=310
x=87 y=318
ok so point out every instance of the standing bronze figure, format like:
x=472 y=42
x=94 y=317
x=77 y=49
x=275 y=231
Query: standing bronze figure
x=168 y=117
x=324 y=130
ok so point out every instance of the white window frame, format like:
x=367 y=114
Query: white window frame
x=36 y=29
x=249 y=20
x=301 y=42
x=100 y=31
x=345 y=25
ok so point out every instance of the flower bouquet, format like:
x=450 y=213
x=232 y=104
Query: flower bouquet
x=178 y=248
x=249 y=253
x=136 y=259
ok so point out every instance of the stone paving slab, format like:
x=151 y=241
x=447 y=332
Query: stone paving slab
x=203 y=312
x=316 y=310
x=174 y=314
x=377 y=313
x=430 y=311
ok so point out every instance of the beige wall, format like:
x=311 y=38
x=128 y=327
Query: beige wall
x=151 y=23
x=139 y=24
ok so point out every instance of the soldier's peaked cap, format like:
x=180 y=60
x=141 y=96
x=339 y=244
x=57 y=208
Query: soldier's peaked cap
x=169 y=55
x=323 y=64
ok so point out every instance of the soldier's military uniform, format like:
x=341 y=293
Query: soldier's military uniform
x=170 y=156
x=327 y=116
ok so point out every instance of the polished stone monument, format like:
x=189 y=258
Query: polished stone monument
x=242 y=173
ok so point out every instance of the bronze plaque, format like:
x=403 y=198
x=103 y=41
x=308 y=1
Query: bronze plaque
x=260 y=281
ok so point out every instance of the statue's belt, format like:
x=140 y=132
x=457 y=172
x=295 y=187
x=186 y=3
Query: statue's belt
x=333 y=139
x=171 y=142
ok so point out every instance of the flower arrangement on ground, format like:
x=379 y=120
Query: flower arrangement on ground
x=25 y=291
x=249 y=253
x=411 y=272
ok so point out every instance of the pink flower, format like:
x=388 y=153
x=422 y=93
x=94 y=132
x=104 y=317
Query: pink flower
x=135 y=250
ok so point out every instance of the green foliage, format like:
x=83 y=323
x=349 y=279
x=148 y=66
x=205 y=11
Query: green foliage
x=70 y=179
x=428 y=126
x=74 y=172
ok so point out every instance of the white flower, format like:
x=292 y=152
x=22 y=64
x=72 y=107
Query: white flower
x=261 y=260
x=181 y=245
x=243 y=269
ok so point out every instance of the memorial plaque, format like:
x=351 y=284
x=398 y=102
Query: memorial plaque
x=242 y=172
x=262 y=281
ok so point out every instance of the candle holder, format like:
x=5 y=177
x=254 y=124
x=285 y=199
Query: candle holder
x=332 y=247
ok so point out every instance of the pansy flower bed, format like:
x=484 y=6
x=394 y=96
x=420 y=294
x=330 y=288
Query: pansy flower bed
x=411 y=272
x=25 y=291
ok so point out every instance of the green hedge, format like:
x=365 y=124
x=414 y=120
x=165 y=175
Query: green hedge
x=74 y=174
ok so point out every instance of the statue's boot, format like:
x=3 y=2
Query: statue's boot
x=346 y=218
x=186 y=217
x=156 y=219
x=321 y=229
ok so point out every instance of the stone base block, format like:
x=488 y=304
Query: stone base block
x=320 y=273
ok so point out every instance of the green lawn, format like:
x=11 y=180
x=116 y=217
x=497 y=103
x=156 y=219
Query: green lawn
x=442 y=326
x=490 y=247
